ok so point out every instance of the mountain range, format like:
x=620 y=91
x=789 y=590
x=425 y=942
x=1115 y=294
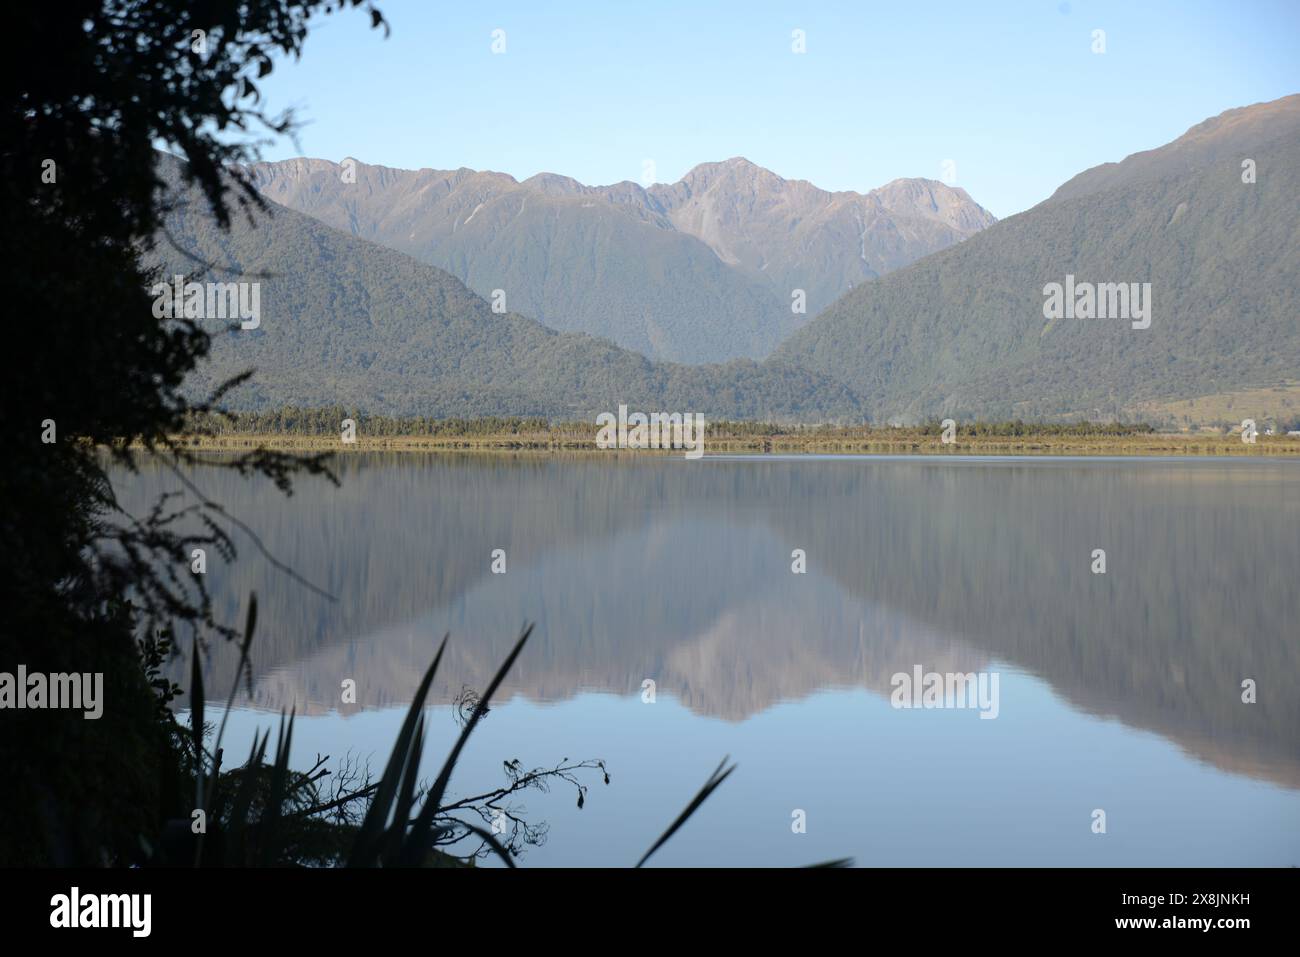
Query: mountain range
x=703 y=270
x=346 y=321
x=1208 y=221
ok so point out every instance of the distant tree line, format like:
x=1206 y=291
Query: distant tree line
x=293 y=420
x=1019 y=427
x=935 y=427
x=322 y=421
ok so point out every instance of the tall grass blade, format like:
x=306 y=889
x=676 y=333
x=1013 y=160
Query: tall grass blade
x=715 y=779
x=250 y=625
x=405 y=796
x=272 y=813
x=417 y=843
x=234 y=850
x=365 y=849
x=196 y=725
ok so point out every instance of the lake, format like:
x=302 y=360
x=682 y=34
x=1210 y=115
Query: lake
x=1118 y=691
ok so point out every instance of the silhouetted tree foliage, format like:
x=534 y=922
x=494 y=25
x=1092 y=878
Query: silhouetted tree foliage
x=88 y=588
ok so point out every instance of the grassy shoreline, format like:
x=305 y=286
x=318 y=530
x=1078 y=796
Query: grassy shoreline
x=854 y=441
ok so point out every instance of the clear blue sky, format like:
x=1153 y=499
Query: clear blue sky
x=1010 y=91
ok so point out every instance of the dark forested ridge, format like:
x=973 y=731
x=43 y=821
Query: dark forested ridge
x=963 y=331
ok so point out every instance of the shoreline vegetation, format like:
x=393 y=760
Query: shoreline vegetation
x=321 y=430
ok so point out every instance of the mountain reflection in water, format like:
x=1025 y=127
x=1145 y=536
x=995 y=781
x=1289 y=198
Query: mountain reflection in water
x=638 y=568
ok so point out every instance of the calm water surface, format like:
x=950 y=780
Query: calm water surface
x=1119 y=691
